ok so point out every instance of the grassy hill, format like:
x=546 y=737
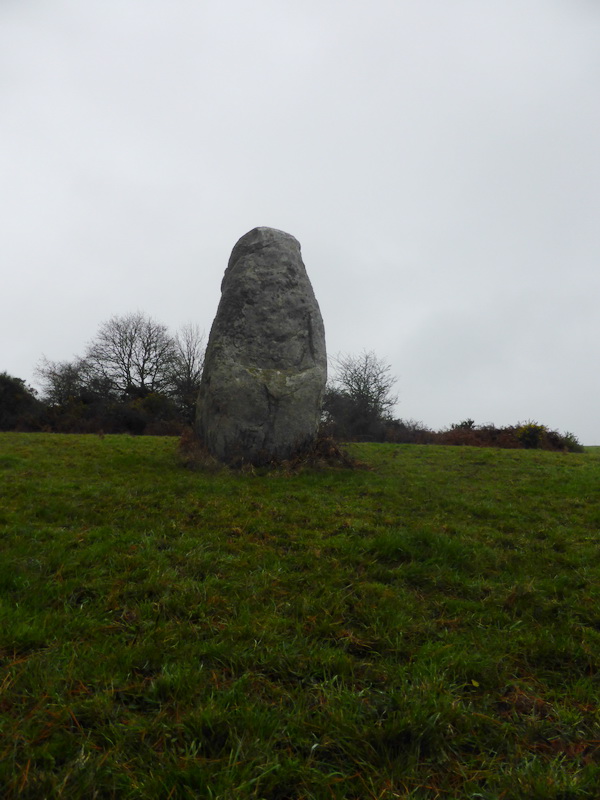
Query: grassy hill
x=427 y=627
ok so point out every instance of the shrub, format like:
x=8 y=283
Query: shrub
x=18 y=404
x=465 y=425
x=407 y=431
x=531 y=435
x=571 y=443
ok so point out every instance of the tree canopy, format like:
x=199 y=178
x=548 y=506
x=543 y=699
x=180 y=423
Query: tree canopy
x=134 y=375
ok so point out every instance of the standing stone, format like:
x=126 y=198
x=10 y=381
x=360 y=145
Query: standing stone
x=265 y=366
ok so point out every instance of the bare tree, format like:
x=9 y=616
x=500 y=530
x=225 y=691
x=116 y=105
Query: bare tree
x=359 y=399
x=367 y=380
x=186 y=368
x=61 y=381
x=134 y=353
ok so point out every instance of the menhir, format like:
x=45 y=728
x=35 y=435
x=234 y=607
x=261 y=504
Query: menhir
x=266 y=365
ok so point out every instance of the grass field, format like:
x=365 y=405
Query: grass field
x=425 y=628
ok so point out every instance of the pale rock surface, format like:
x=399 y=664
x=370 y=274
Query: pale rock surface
x=266 y=365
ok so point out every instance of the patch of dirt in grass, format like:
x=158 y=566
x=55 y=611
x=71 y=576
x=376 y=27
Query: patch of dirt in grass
x=584 y=751
x=519 y=703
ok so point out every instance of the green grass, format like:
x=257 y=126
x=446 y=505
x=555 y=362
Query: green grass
x=426 y=628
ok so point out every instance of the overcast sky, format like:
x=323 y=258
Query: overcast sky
x=438 y=160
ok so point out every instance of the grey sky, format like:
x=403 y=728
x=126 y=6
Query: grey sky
x=438 y=160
